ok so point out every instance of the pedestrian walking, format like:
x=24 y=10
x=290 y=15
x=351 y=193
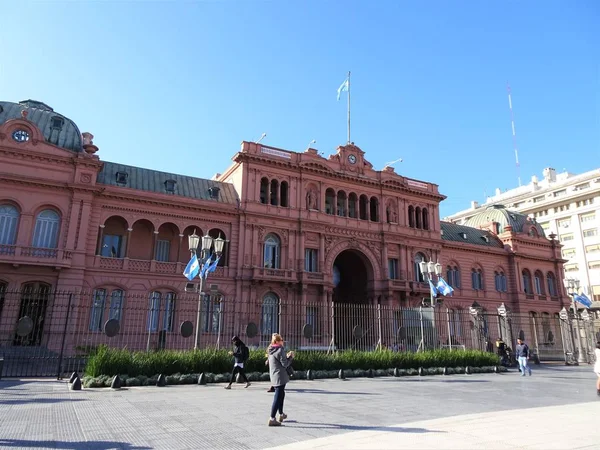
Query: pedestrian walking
x=522 y=353
x=597 y=367
x=279 y=361
x=241 y=353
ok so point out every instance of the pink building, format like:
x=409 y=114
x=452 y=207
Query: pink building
x=300 y=229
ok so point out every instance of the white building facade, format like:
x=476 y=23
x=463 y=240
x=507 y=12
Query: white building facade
x=564 y=204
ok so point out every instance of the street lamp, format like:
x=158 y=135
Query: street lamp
x=572 y=287
x=428 y=269
x=207 y=243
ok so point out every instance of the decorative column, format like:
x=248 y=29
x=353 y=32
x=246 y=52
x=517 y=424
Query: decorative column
x=129 y=230
x=153 y=256
x=100 y=240
x=179 y=248
x=322 y=253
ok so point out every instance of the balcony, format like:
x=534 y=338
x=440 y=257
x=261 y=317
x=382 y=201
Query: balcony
x=34 y=256
x=146 y=266
x=264 y=273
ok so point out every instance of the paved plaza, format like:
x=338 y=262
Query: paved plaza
x=556 y=408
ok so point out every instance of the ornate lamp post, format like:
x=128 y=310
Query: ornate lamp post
x=207 y=243
x=428 y=269
x=572 y=287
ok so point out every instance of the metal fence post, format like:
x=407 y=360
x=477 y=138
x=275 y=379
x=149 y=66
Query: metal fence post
x=379 y=342
x=64 y=336
x=449 y=329
x=422 y=345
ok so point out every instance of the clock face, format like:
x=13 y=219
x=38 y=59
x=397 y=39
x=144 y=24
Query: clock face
x=20 y=136
x=352 y=159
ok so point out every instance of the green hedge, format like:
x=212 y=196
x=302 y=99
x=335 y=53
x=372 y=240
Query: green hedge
x=110 y=361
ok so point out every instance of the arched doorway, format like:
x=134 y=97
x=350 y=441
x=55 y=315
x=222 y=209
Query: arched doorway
x=354 y=316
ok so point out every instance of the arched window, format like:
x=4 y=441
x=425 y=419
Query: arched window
x=453 y=276
x=215 y=233
x=353 y=205
x=269 y=322
x=418 y=217
x=500 y=281
x=46 y=229
x=169 y=315
x=411 y=216
x=364 y=207
x=274 y=192
x=419 y=257
x=264 y=190
x=9 y=218
x=153 y=311
x=425 y=219
x=477 y=279
x=283 y=195
x=538 y=279
x=551 y=281
x=329 y=201
x=341 y=204
x=211 y=312
x=116 y=304
x=374 y=209
x=527 y=287
x=98 y=314
x=272 y=249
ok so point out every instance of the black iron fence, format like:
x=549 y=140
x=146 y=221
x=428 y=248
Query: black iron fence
x=47 y=333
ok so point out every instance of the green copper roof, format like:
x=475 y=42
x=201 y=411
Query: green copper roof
x=469 y=235
x=121 y=175
x=498 y=213
x=57 y=129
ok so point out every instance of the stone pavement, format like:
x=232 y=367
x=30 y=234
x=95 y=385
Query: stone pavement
x=556 y=408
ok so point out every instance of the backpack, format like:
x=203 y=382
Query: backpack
x=245 y=353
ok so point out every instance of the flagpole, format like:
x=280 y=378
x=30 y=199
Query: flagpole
x=348 y=107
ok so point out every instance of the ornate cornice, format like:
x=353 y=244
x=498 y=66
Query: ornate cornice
x=165 y=214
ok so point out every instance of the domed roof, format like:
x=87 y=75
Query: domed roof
x=57 y=129
x=519 y=222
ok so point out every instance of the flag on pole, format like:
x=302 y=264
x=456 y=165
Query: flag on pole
x=444 y=288
x=205 y=266
x=584 y=300
x=212 y=267
x=432 y=289
x=192 y=269
x=343 y=88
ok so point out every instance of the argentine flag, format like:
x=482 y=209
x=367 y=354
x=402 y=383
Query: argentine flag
x=444 y=288
x=211 y=267
x=584 y=300
x=432 y=290
x=192 y=269
x=344 y=87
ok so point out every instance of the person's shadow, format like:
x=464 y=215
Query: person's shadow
x=339 y=426
x=89 y=445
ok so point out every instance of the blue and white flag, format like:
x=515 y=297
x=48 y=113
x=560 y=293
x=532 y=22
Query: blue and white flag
x=344 y=87
x=444 y=288
x=210 y=268
x=192 y=269
x=584 y=300
x=205 y=265
x=432 y=289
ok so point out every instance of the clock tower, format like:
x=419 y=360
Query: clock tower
x=351 y=158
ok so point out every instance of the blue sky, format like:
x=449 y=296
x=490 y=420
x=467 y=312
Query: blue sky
x=177 y=85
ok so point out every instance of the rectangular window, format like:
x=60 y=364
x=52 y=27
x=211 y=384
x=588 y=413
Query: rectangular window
x=594 y=265
x=154 y=311
x=590 y=233
x=393 y=268
x=539 y=199
x=589 y=201
x=560 y=193
x=582 y=186
x=588 y=217
x=538 y=285
x=311 y=260
x=312 y=318
x=545 y=226
x=162 y=250
x=571 y=267
x=112 y=246
x=592 y=248
x=97 y=313
x=569 y=253
x=566 y=237
x=169 y=317
x=564 y=223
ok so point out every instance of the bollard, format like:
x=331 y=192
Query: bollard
x=73 y=376
x=396 y=372
x=202 y=379
x=421 y=372
x=161 y=381
x=116 y=382
x=341 y=375
x=445 y=371
x=467 y=370
x=309 y=375
x=76 y=385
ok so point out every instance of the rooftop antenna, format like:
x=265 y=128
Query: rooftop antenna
x=314 y=141
x=262 y=136
x=389 y=164
x=514 y=134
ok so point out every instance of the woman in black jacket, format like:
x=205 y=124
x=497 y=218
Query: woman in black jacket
x=240 y=353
